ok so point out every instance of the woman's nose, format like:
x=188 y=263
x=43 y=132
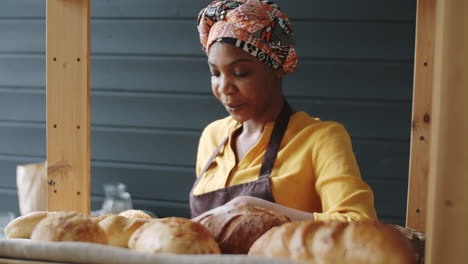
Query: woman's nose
x=226 y=85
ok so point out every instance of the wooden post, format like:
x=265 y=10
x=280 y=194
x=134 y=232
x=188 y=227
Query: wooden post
x=447 y=228
x=422 y=113
x=68 y=105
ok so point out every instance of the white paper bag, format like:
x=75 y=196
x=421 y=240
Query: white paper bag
x=31 y=181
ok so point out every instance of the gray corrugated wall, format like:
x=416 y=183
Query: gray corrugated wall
x=151 y=93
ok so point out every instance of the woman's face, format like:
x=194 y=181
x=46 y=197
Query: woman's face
x=248 y=88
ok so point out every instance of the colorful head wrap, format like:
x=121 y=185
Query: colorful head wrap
x=258 y=27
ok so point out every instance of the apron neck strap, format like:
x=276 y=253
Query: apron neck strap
x=275 y=140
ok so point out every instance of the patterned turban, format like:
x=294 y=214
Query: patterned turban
x=258 y=27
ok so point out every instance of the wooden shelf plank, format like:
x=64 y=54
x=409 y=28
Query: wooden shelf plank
x=68 y=105
x=24 y=261
x=422 y=113
x=448 y=171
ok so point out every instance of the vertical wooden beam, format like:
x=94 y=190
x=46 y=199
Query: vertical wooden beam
x=68 y=105
x=422 y=114
x=447 y=227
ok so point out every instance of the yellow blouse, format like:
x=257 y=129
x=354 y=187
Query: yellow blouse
x=315 y=170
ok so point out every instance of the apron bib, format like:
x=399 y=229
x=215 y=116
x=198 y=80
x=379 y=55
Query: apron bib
x=260 y=188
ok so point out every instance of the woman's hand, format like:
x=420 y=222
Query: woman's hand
x=293 y=214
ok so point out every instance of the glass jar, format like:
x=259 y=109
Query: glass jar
x=5 y=218
x=117 y=198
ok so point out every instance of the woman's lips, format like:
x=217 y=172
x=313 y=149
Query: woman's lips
x=233 y=107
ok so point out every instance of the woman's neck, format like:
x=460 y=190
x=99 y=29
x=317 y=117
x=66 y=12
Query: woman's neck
x=256 y=125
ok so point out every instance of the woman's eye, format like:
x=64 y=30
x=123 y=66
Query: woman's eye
x=241 y=74
x=215 y=74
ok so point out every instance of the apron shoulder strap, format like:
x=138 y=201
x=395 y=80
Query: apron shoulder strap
x=275 y=141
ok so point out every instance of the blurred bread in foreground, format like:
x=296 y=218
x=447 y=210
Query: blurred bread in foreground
x=361 y=242
x=135 y=214
x=22 y=227
x=98 y=219
x=69 y=226
x=417 y=238
x=173 y=235
x=119 y=229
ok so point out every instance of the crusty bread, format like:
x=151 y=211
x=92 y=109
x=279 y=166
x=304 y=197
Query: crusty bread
x=417 y=238
x=22 y=227
x=69 y=226
x=173 y=235
x=119 y=229
x=236 y=228
x=135 y=214
x=359 y=242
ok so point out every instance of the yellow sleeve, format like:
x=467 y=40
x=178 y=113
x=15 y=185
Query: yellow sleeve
x=343 y=193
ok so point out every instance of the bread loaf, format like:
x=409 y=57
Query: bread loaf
x=22 y=227
x=135 y=214
x=69 y=226
x=359 y=242
x=417 y=239
x=236 y=229
x=119 y=229
x=173 y=235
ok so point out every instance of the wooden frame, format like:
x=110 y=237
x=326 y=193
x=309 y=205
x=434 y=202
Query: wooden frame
x=437 y=140
x=68 y=105
x=422 y=113
x=448 y=171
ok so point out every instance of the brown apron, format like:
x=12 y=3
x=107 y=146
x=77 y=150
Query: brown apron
x=260 y=188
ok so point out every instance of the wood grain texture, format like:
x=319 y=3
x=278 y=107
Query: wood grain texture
x=68 y=105
x=448 y=170
x=421 y=117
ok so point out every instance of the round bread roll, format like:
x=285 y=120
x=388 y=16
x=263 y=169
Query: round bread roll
x=22 y=227
x=237 y=228
x=69 y=226
x=119 y=229
x=135 y=214
x=173 y=235
x=360 y=242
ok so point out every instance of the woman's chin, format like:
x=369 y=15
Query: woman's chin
x=239 y=114
x=238 y=118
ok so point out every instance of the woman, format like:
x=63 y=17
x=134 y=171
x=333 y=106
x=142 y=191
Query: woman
x=264 y=153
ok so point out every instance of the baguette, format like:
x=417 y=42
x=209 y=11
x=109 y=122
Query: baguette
x=22 y=227
x=359 y=242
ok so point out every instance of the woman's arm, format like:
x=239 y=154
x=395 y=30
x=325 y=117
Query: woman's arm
x=293 y=214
